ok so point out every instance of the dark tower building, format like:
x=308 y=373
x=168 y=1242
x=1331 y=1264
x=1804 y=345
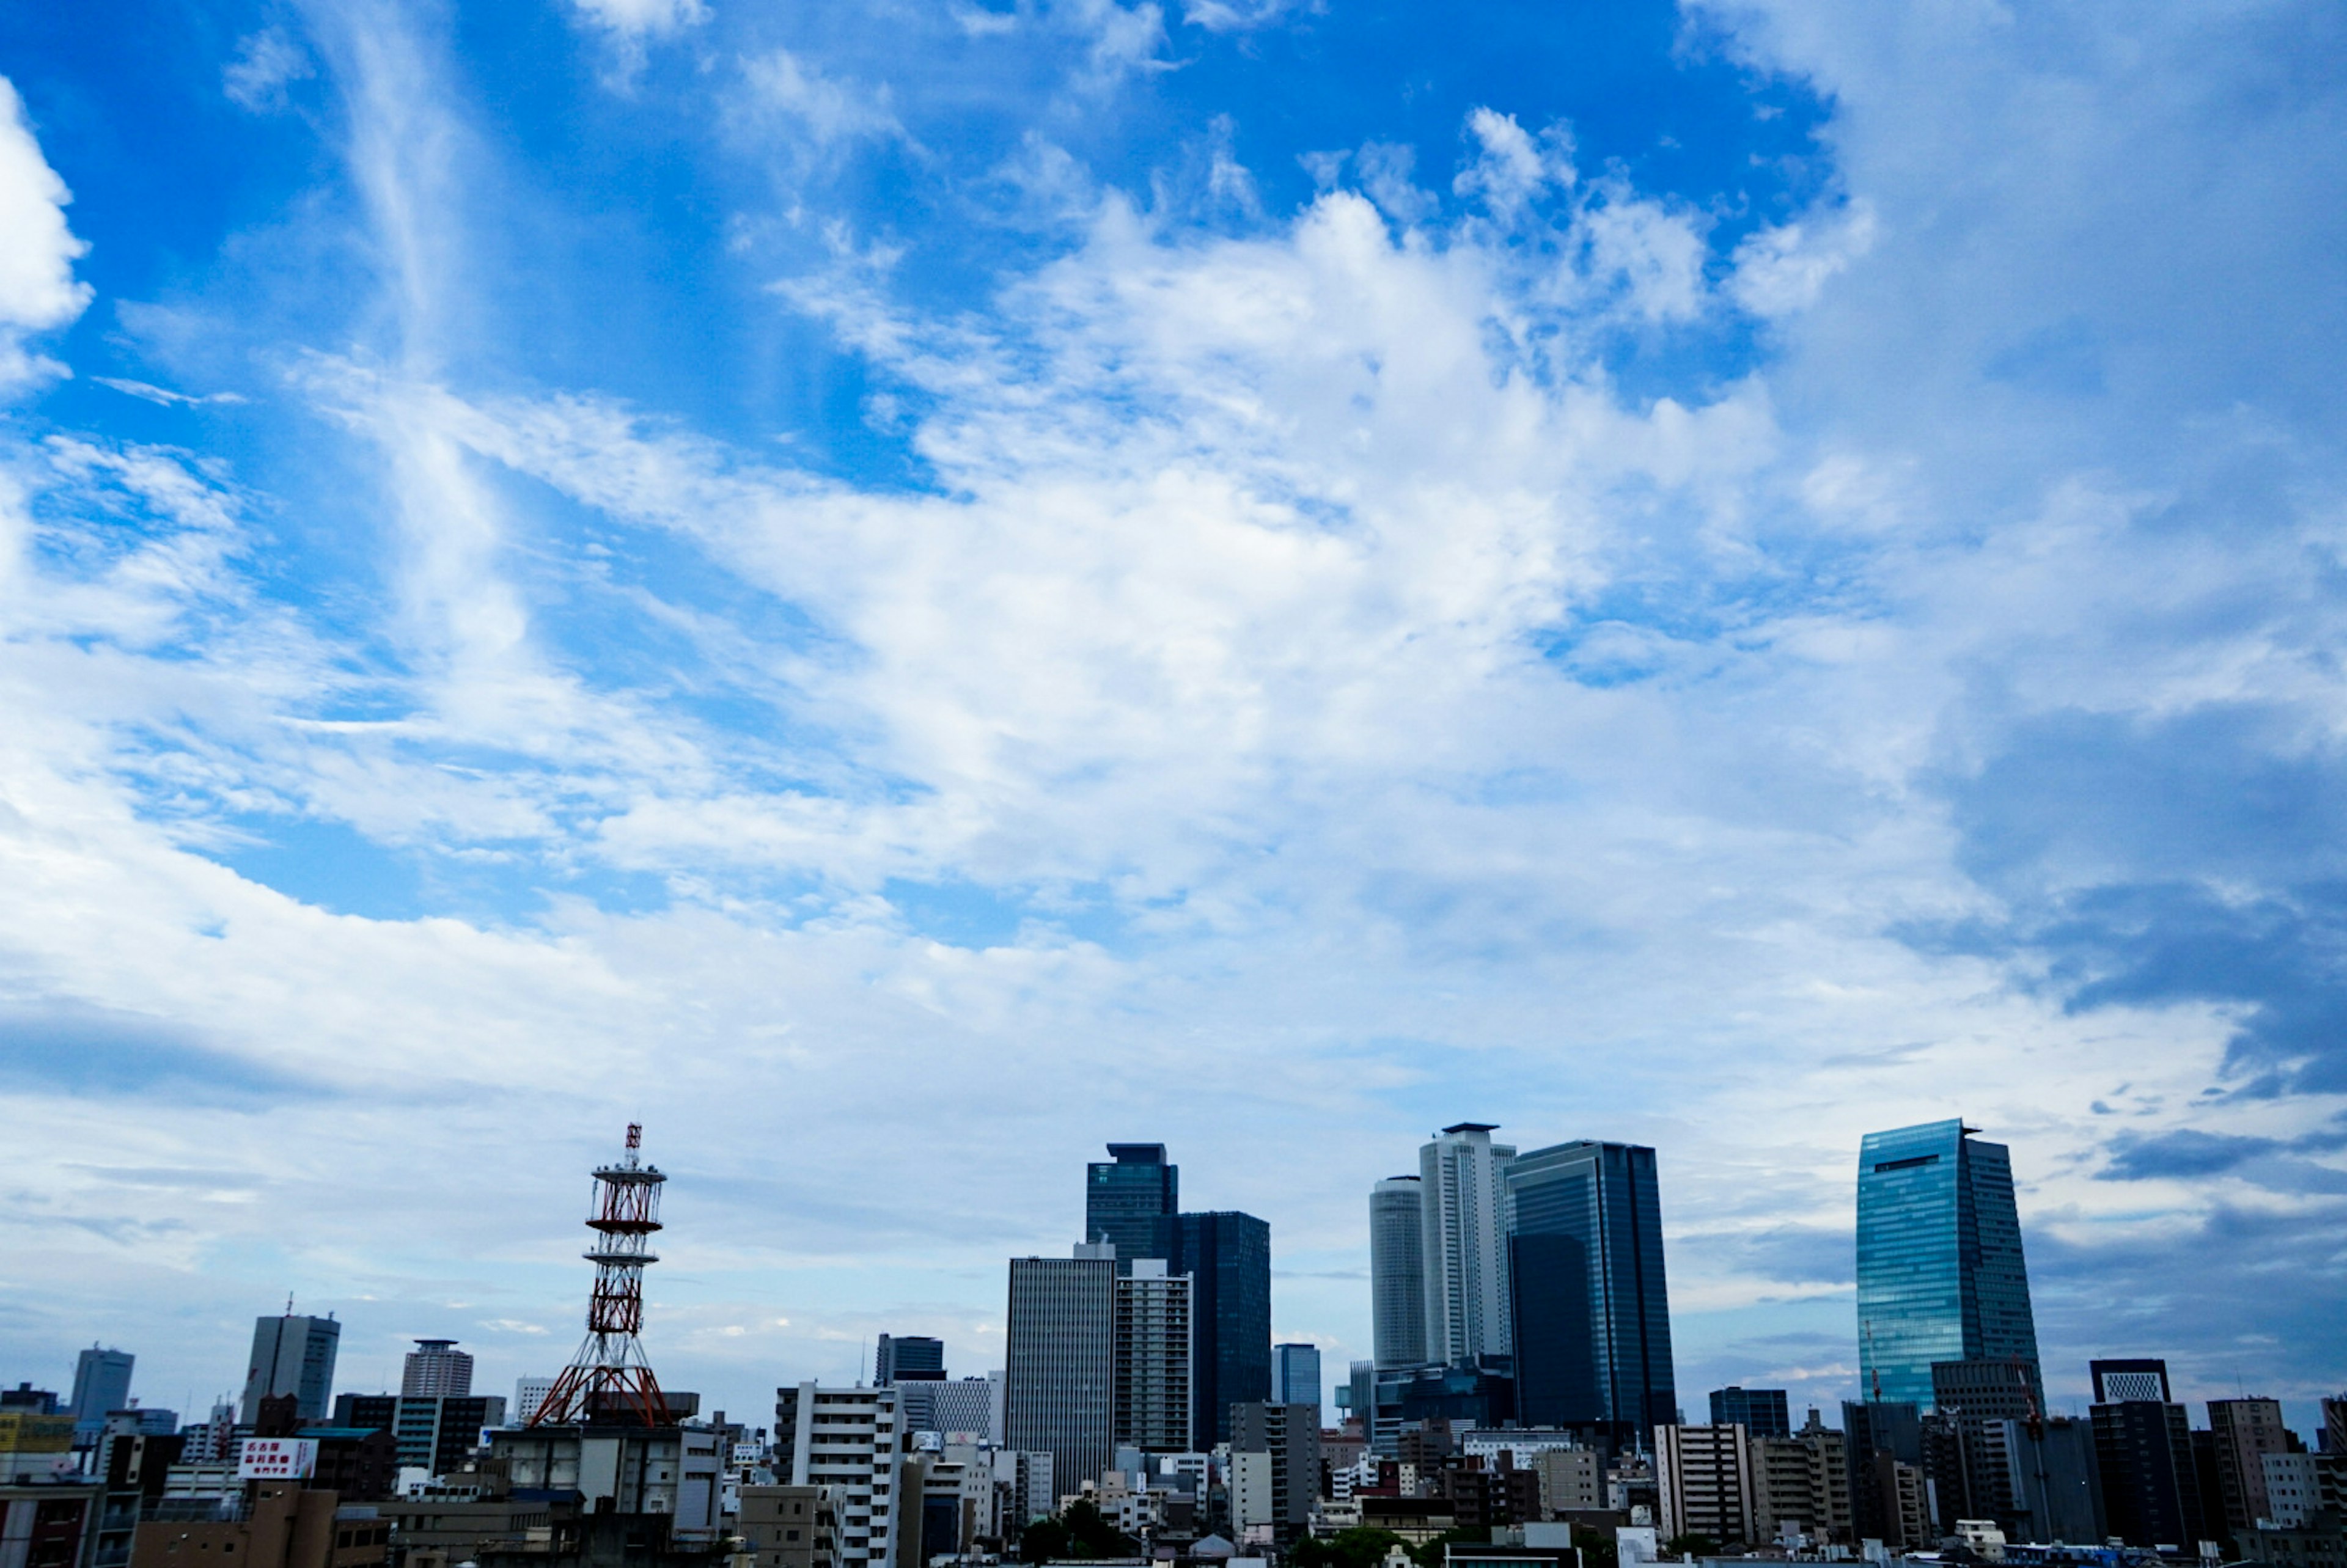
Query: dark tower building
x=1759 y=1411
x=907 y=1359
x=1590 y=1314
x=2143 y=1447
x=1227 y=1256
x=1129 y=1201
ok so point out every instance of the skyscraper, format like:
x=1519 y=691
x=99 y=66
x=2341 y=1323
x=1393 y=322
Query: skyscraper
x=2143 y=1453
x=907 y=1359
x=1296 y=1375
x=101 y=1384
x=1591 y=1309
x=1228 y=1256
x=2246 y=1430
x=1155 y=1338
x=1760 y=1411
x=437 y=1369
x=1397 y=1272
x=1461 y=1219
x=1941 y=1275
x=292 y=1355
x=1129 y=1201
x=1061 y=1396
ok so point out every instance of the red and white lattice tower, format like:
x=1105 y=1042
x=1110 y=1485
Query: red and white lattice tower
x=608 y=1379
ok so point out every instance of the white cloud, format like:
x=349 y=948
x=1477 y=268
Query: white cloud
x=266 y=63
x=38 y=291
x=1511 y=167
x=643 y=18
x=832 y=111
x=1782 y=270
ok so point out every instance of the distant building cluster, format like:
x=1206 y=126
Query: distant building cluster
x=1520 y=1410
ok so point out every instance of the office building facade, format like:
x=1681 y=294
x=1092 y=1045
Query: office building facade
x=1590 y=1308
x=291 y=1355
x=1397 y=1272
x=1155 y=1350
x=1296 y=1375
x=1940 y=1274
x=435 y=1435
x=101 y=1386
x=1800 y=1484
x=907 y=1359
x=437 y=1369
x=1462 y=1214
x=1227 y=1256
x=1130 y=1202
x=1760 y=1411
x=1059 y=1394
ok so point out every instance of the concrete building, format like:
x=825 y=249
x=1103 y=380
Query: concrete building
x=286 y=1525
x=789 y=1526
x=1290 y=1435
x=1296 y=1375
x=849 y=1439
x=47 y=1523
x=1569 y=1479
x=437 y=1369
x=1155 y=1336
x=1246 y=1478
x=671 y=1474
x=2246 y=1431
x=1397 y=1272
x=1763 y=1412
x=2300 y=1485
x=291 y=1355
x=529 y=1393
x=961 y=1407
x=101 y=1386
x=1940 y=1272
x=35 y=1445
x=1703 y=1479
x=1462 y=1201
x=1801 y=1484
x=1059 y=1394
x=132 y=1470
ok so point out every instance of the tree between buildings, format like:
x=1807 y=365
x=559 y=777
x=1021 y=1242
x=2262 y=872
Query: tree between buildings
x=1081 y=1531
x=1360 y=1547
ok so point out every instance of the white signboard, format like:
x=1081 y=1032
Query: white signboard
x=277 y=1459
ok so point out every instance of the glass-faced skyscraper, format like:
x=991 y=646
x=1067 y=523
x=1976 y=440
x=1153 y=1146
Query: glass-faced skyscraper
x=1228 y=1256
x=1591 y=1313
x=1940 y=1271
x=1130 y=1202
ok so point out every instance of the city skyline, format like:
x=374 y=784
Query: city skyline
x=1270 y=575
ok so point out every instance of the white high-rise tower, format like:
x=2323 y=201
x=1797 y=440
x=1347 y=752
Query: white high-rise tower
x=1463 y=1198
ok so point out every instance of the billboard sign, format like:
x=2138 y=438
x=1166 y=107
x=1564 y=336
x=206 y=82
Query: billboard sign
x=277 y=1459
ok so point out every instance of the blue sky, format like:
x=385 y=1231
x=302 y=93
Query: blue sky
x=898 y=592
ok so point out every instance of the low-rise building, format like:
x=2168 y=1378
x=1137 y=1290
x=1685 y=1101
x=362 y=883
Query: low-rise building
x=47 y=1523
x=283 y=1525
x=789 y=1526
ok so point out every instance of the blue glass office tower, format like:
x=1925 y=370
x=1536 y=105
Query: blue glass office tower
x=1940 y=1271
x=1228 y=1256
x=1130 y=1202
x=1590 y=1318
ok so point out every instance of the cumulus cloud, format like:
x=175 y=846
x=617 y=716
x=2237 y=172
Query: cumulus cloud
x=831 y=111
x=1781 y=269
x=38 y=291
x=642 y=18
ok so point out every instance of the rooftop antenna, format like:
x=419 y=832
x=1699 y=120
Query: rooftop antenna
x=610 y=1377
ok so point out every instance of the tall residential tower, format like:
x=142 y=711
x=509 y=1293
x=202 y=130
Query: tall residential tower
x=1461 y=1199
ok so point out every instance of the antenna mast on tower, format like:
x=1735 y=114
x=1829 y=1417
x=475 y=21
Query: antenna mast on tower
x=609 y=1379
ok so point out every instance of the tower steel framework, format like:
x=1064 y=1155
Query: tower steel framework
x=609 y=1379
